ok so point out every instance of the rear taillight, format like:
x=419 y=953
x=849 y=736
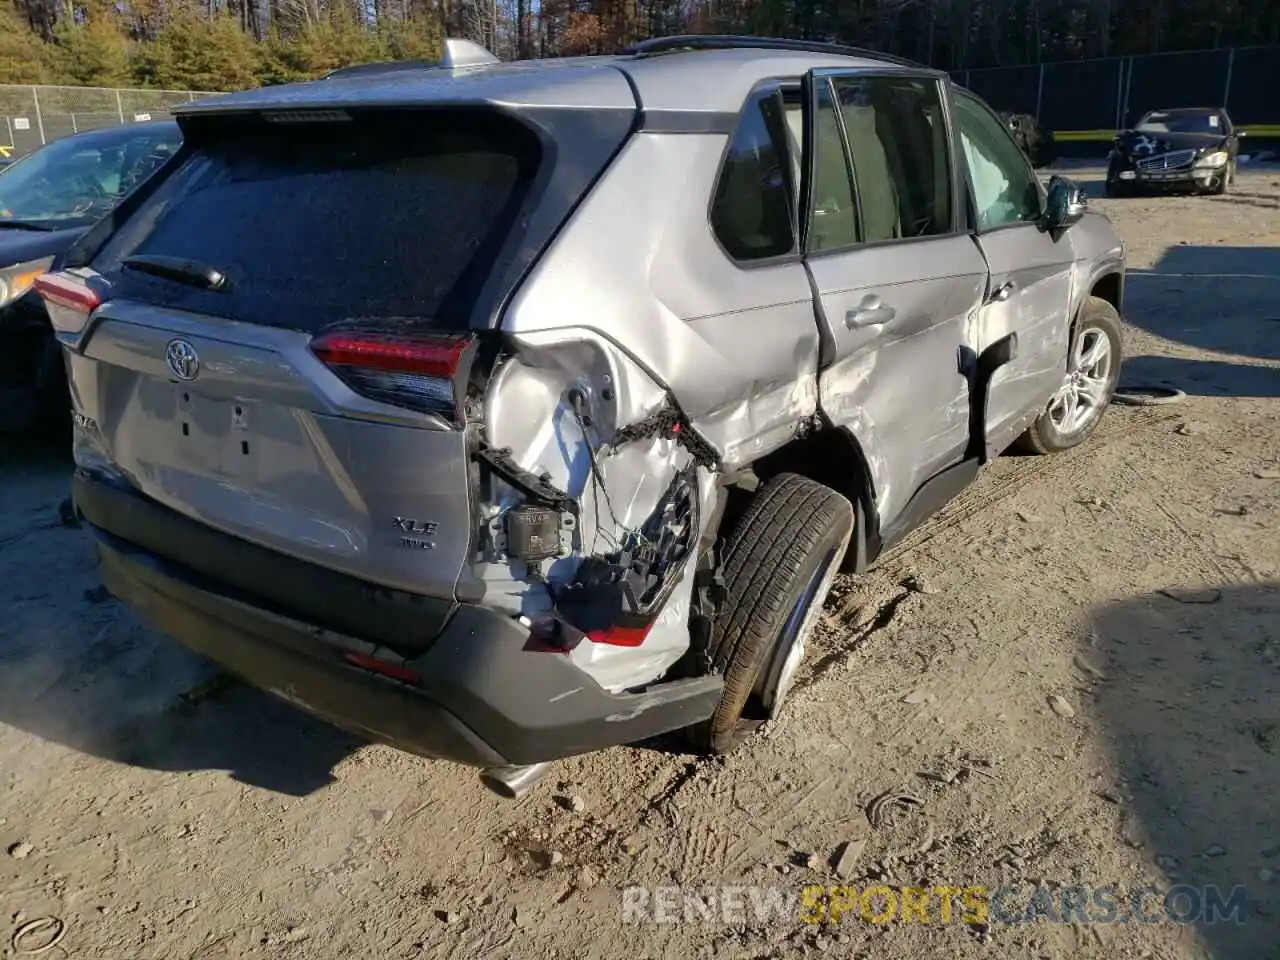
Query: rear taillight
x=69 y=298
x=420 y=372
x=619 y=636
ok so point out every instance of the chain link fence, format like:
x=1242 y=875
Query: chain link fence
x=1085 y=101
x=31 y=116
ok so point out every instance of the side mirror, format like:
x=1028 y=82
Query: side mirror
x=1242 y=133
x=1066 y=203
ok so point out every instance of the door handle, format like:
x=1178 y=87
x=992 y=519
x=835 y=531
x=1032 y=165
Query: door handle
x=1003 y=292
x=870 y=313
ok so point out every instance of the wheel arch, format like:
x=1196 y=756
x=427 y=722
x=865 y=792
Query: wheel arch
x=1109 y=287
x=834 y=457
x=1106 y=283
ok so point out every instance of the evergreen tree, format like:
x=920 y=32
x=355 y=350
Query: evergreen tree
x=93 y=50
x=23 y=57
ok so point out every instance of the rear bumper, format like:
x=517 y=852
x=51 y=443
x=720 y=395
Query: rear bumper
x=485 y=697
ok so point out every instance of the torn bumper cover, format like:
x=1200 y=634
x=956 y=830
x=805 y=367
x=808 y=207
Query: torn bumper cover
x=481 y=695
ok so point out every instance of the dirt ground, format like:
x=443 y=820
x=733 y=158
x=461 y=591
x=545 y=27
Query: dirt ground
x=1080 y=687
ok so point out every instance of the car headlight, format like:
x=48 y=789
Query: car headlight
x=1216 y=159
x=17 y=279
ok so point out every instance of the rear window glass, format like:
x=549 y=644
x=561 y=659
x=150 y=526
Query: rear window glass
x=393 y=215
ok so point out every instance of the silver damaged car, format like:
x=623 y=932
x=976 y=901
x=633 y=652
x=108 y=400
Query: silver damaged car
x=508 y=411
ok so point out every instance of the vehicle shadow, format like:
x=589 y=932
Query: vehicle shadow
x=78 y=669
x=1189 y=708
x=1215 y=298
x=1206 y=378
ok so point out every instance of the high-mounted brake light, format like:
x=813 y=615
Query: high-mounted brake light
x=421 y=372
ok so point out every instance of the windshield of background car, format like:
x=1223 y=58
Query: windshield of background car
x=75 y=181
x=1199 y=121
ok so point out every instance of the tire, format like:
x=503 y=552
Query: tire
x=779 y=563
x=1114 y=186
x=1050 y=434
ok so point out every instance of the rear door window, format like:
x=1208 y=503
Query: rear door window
x=833 y=214
x=898 y=142
x=383 y=216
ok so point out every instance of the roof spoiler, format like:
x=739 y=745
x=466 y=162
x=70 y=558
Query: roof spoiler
x=457 y=53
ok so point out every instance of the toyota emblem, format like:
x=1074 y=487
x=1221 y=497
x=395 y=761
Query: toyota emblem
x=182 y=359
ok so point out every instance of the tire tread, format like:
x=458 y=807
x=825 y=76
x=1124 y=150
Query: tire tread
x=782 y=528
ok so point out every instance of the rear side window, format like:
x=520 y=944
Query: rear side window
x=898 y=140
x=751 y=210
x=391 y=215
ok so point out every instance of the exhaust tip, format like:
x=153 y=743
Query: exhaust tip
x=512 y=783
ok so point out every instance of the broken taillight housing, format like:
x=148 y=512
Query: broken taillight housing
x=423 y=372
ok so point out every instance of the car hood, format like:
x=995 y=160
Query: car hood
x=1144 y=144
x=18 y=245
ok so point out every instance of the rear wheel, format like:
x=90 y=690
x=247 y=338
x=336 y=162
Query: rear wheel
x=779 y=564
x=1093 y=369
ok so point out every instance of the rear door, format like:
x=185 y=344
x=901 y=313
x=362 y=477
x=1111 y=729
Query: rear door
x=1030 y=287
x=274 y=356
x=898 y=277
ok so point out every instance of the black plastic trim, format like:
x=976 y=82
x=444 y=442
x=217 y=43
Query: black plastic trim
x=943 y=486
x=675 y=44
x=931 y=497
x=985 y=365
x=687 y=121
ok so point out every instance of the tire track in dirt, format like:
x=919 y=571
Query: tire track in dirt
x=976 y=498
x=979 y=496
x=896 y=563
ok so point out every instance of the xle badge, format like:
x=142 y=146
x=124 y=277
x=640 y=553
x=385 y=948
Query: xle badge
x=415 y=531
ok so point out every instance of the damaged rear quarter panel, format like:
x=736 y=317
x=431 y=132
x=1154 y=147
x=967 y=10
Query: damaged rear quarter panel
x=530 y=409
x=636 y=303
x=736 y=346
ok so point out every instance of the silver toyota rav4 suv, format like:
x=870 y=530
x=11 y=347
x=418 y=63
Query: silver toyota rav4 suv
x=508 y=411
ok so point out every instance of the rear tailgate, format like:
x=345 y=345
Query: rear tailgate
x=202 y=381
x=268 y=444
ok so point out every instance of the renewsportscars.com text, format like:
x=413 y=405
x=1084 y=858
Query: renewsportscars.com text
x=942 y=904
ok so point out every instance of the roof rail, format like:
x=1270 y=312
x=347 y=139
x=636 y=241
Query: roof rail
x=392 y=66
x=659 y=45
x=457 y=53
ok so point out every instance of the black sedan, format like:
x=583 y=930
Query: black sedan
x=1189 y=149
x=47 y=200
